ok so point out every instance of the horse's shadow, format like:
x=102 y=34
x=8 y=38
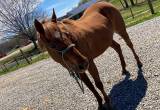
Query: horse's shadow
x=127 y=94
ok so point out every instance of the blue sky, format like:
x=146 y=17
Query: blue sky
x=60 y=6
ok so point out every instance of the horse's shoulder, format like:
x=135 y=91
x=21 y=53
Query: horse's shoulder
x=68 y=21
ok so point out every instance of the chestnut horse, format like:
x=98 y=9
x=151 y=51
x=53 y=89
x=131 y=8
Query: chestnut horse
x=75 y=43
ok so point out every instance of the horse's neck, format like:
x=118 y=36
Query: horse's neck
x=69 y=26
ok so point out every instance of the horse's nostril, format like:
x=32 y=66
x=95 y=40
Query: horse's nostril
x=83 y=66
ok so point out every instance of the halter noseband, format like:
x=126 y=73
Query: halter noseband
x=67 y=49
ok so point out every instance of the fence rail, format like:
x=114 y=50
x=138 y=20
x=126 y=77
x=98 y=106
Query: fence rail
x=15 y=58
x=137 y=12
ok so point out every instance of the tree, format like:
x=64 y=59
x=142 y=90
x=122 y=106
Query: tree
x=126 y=3
x=17 y=17
x=132 y=3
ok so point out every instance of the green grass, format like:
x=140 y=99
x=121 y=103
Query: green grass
x=141 y=12
x=24 y=63
x=141 y=19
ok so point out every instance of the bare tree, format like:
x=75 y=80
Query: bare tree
x=132 y=3
x=17 y=17
x=126 y=3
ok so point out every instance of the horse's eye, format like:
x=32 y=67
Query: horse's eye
x=52 y=46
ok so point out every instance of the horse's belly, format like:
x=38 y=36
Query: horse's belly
x=100 y=43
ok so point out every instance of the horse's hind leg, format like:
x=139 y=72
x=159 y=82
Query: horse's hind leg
x=126 y=38
x=95 y=74
x=117 y=48
x=88 y=83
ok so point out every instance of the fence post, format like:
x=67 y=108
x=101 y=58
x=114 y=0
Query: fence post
x=131 y=12
x=122 y=4
x=16 y=61
x=5 y=67
x=150 y=6
x=24 y=56
x=2 y=69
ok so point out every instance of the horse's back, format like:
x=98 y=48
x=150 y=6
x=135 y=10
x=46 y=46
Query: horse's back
x=107 y=10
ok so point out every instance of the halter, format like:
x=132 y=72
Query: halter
x=71 y=71
x=67 y=49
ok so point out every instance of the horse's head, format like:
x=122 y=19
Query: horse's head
x=56 y=41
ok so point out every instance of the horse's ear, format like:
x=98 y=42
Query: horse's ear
x=54 y=17
x=38 y=26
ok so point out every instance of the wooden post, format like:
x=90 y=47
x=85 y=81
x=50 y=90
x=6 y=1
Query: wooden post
x=16 y=61
x=122 y=4
x=5 y=67
x=24 y=56
x=132 y=3
x=2 y=69
x=126 y=3
x=150 y=6
x=131 y=12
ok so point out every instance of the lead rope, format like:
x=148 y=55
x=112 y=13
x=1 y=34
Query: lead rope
x=81 y=86
x=71 y=72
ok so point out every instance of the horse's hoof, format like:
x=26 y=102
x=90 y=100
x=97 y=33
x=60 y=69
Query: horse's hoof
x=102 y=108
x=140 y=65
x=107 y=106
x=124 y=72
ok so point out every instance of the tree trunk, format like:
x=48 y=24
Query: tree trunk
x=150 y=6
x=35 y=44
x=122 y=4
x=132 y=3
x=126 y=3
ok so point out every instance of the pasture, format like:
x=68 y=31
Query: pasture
x=140 y=11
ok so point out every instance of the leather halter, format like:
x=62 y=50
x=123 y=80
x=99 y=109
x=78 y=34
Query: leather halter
x=66 y=49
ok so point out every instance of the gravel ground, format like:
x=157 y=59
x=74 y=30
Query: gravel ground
x=47 y=86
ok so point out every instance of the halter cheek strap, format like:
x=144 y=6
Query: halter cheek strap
x=67 y=49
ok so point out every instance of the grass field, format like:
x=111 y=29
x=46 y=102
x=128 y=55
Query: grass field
x=141 y=11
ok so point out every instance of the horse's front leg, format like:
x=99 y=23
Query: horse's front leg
x=88 y=83
x=95 y=74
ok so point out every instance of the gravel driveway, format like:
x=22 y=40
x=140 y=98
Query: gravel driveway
x=47 y=86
